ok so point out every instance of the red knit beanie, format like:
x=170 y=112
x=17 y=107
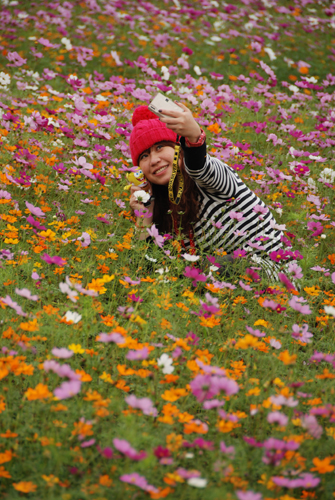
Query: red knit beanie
x=147 y=131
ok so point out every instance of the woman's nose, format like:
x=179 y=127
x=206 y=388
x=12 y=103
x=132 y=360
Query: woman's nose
x=154 y=157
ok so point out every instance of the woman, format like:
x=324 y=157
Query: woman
x=216 y=209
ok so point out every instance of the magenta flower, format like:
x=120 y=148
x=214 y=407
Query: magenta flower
x=255 y=276
x=139 y=354
x=106 y=452
x=24 y=292
x=295 y=303
x=68 y=389
x=317 y=227
x=161 y=452
x=53 y=260
x=134 y=297
x=34 y=210
x=286 y=282
x=124 y=447
x=195 y=274
x=277 y=417
x=237 y=254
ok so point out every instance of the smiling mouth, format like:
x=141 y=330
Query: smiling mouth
x=161 y=169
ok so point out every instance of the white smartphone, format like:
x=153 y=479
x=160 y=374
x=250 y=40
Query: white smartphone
x=160 y=101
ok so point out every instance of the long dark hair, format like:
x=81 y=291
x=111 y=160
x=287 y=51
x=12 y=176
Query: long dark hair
x=166 y=215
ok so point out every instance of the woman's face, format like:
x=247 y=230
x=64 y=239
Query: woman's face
x=156 y=163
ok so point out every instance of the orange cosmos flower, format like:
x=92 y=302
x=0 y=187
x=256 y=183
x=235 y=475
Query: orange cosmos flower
x=41 y=391
x=323 y=466
x=25 y=486
x=287 y=358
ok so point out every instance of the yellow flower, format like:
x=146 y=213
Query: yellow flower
x=106 y=378
x=50 y=480
x=76 y=348
x=262 y=322
x=48 y=235
x=97 y=285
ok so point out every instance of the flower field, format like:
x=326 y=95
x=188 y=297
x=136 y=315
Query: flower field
x=131 y=369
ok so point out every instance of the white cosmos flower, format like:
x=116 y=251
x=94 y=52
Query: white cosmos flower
x=142 y=196
x=190 y=258
x=150 y=258
x=293 y=88
x=197 y=70
x=197 y=482
x=270 y=53
x=72 y=316
x=166 y=362
x=330 y=310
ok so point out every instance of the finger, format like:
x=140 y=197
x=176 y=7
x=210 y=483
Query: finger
x=169 y=112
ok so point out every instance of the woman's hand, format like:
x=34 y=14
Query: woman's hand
x=137 y=205
x=181 y=122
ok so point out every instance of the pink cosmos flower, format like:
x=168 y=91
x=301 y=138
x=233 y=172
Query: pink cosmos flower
x=295 y=303
x=159 y=240
x=68 y=389
x=281 y=400
x=275 y=343
x=248 y=495
x=301 y=333
x=16 y=59
x=139 y=354
x=24 y=292
x=228 y=450
x=295 y=270
x=245 y=287
x=236 y=215
x=310 y=423
x=86 y=444
x=34 y=210
x=256 y=333
x=139 y=481
x=111 y=337
x=124 y=447
x=61 y=370
x=14 y=305
x=277 y=417
x=144 y=404
x=62 y=353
